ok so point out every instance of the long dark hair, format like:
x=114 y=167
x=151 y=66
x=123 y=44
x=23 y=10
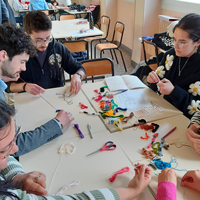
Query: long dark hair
x=191 y=24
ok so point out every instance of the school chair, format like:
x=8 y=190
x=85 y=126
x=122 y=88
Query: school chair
x=45 y=11
x=119 y=28
x=105 y=20
x=67 y=17
x=149 y=49
x=75 y=46
x=97 y=67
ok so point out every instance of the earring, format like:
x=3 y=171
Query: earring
x=196 y=49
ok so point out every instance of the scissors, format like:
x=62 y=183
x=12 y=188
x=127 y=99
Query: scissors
x=108 y=146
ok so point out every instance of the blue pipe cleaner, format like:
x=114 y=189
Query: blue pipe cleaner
x=118 y=108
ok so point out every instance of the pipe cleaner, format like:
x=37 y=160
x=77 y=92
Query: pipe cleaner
x=147 y=154
x=98 y=98
x=160 y=147
x=111 y=120
x=156 y=126
x=163 y=165
x=155 y=147
x=113 y=104
x=118 y=108
x=123 y=170
x=76 y=126
x=125 y=119
x=153 y=140
x=146 y=137
x=82 y=106
x=89 y=113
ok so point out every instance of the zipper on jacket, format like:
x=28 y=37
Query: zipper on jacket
x=42 y=71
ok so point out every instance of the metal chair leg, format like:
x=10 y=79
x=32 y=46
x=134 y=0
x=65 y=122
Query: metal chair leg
x=123 y=60
x=100 y=42
x=111 y=54
x=115 y=56
x=95 y=51
x=100 y=54
x=91 y=49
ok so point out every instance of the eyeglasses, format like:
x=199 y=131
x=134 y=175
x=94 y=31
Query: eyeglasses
x=41 y=42
x=6 y=153
x=180 y=44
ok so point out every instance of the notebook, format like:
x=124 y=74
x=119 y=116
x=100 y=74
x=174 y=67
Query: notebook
x=117 y=83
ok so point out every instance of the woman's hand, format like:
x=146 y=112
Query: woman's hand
x=168 y=175
x=166 y=87
x=153 y=77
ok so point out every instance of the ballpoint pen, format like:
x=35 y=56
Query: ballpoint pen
x=89 y=127
x=120 y=92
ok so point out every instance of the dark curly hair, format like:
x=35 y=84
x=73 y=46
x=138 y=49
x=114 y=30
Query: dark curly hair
x=36 y=21
x=14 y=41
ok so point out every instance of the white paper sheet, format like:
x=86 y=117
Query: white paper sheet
x=133 y=100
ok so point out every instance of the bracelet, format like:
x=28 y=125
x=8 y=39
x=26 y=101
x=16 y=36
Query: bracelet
x=59 y=123
x=24 y=87
x=79 y=75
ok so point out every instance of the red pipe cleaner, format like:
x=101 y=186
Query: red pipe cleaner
x=82 y=106
x=146 y=137
x=125 y=169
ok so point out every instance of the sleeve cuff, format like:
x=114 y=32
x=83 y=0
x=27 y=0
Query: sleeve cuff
x=166 y=191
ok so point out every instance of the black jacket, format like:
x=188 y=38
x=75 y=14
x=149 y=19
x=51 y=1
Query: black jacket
x=49 y=75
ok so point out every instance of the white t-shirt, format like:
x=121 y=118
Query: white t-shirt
x=64 y=3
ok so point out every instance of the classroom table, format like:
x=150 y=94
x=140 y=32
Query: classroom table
x=77 y=13
x=92 y=172
x=38 y=111
x=187 y=158
x=70 y=29
x=27 y=10
x=168 y=109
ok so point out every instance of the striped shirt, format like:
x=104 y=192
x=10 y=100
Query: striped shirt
x=13 y=168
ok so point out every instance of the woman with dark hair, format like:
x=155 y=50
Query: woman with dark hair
x=178 y=76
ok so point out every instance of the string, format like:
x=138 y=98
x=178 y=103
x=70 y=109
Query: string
x=41 y=96
x=123 y=170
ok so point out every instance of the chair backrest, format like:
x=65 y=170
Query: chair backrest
x=67 y=17
x=77 y=46
x=119 y=28
x=45 y=11
x=150 y=49
x=100 y=66
x=105 y=20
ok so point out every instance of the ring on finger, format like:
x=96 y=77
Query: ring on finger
x=36 y=177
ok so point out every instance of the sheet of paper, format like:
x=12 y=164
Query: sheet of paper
x=133 y=100
x=115 y=83
x=133 y=82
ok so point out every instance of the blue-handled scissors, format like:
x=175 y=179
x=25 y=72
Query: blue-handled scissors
x=108 y=146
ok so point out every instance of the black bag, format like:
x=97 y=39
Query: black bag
x=163 y=41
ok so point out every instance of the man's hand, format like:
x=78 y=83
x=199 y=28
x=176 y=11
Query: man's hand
x=33 y=182
x=168 y=175
x=141 y=179
x=34 y=89
x=75 y=84
x=166 y=87
x=65 y=118
x=191 y=179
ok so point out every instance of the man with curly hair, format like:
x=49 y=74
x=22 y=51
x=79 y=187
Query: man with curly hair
x=45 y=70
x=15 y=49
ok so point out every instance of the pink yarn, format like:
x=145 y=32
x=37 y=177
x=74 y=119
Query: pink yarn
x=123 y=170
x=99 y=98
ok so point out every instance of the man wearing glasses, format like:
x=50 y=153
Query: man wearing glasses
x=44 y=70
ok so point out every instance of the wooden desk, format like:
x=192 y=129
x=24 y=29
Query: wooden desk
x=70 y=29
x=27 y=10
x=93 y=172
x=169 y=110
x=33 y=111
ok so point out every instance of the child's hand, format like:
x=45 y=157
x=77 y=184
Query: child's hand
x=168 y=175
x=141 y=179
x=191 y=179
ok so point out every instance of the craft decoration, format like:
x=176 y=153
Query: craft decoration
x=64 y=188
x=98 y=98
x=123 y=170
x=112 y=120
x=146 y=127
x=160 y=147
x=146 y=137
x=113 y=104
x=156 y=126
x=89 y=113
x=110 y=96
x=76 y=126
x=152 y=140
x=125 y=119
x=116 y=124
x=148 y=154
x=155 y=147
x=67 y=149
x=118 y=108
x=82 y=106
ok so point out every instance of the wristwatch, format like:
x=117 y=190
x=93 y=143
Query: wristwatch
x=79 y=75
